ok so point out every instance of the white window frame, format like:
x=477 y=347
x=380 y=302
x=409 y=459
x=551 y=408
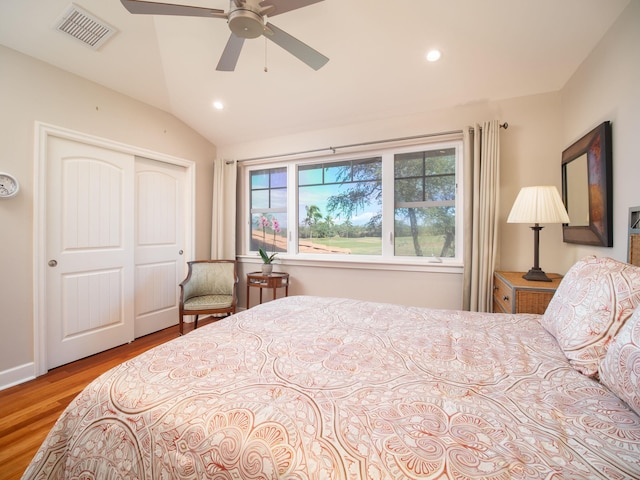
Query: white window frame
x=388 y=209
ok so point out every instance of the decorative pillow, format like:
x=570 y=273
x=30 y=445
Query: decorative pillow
x=594 y=299
x=620 y=368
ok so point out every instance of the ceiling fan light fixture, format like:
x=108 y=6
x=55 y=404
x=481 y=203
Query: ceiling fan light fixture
x=245 y=23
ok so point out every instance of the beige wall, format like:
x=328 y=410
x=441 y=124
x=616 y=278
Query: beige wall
x=607 y=87
x=33 y=91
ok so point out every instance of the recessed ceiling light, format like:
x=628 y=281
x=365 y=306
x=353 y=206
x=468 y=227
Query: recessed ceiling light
x=433 y=55
x=218 y=105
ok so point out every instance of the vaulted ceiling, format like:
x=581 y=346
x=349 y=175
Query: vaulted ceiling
x=491 y=50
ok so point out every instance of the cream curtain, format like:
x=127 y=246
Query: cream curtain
x=223 y=222
x=482 y=195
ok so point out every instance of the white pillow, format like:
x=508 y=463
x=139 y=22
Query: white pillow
x=592 y=302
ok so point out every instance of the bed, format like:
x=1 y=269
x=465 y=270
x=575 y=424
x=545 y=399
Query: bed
x=332 y=388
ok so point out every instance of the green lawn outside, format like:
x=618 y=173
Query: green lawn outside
x=431 y=245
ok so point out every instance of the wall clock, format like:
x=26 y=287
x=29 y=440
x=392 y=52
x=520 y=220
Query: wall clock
x=9 y=186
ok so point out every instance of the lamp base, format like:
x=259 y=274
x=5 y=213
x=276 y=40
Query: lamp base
x=536 y=275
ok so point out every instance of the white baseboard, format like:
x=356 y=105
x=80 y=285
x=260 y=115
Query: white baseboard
x=17 y=375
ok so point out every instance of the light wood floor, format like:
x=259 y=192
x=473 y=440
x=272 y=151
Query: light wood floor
x=29 y=410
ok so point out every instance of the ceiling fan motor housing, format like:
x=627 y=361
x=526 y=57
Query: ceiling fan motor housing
x=244 y=22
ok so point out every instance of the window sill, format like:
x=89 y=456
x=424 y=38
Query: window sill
x=408 y=265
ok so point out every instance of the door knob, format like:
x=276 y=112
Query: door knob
x=52 y=263
x=180 y=252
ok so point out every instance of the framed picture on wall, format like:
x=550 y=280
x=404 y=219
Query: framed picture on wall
x=586 y=189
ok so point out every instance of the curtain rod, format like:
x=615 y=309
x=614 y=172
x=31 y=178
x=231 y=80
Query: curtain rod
x=504 y=125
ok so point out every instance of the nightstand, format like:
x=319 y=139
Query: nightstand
x=272 y=281
x=514 y=294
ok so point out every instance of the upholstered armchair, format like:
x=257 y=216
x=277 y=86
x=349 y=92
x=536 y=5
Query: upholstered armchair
x=210 y=288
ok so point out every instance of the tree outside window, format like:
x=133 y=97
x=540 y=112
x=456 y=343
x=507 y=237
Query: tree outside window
x=425 y=194
x=340 y=207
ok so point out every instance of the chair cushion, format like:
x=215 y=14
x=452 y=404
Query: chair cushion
x=208 y=302
x=620 y=369
x=594 y=299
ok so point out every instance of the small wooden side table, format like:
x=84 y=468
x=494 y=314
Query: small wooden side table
x=275 y=281
x=514 y=294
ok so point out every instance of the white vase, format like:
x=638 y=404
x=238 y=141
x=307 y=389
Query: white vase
x=267 y=268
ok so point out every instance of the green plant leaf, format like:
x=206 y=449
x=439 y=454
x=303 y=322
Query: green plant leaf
x=266 y=258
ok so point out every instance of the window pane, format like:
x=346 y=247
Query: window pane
x=260 y=199
x=279 y=198
x=428 y=232
x=440 y=188
x=269 y=232
x=259 y=179
x=367 y=169
x=440 y=161
x=337 y=173
x=310 y=175
x=409 y=190
x=409 y=165
x=278 y=177
x=341 y=212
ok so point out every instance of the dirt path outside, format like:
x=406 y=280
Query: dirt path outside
x=305 y=246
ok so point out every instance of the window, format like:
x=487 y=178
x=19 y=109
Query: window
x=268 y=200
x=340 y=207
x=425 y=203
x=400 y=204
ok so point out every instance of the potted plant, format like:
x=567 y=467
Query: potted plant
x=267 y=261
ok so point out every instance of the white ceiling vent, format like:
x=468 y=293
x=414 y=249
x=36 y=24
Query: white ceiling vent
x=85 y=27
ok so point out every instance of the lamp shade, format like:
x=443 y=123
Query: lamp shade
x=541 y=204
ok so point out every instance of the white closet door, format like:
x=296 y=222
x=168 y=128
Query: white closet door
x=159 y=244
x=90 y=277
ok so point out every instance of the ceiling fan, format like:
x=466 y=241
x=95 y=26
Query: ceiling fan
x=246 y=19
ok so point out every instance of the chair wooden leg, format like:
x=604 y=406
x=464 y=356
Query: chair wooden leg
x=181 y=324
x=195 y=323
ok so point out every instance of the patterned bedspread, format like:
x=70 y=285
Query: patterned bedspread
x=326 y=388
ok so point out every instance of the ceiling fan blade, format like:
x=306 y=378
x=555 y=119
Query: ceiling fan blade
x=230 y=55
x=295 y=47
x=282 y=6
x=154 y=8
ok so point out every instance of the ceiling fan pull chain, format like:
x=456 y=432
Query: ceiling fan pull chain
x=266 y=68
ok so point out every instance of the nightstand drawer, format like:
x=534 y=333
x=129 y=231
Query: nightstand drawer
x=501 y=295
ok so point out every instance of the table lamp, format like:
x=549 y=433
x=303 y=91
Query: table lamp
x=541 y=204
